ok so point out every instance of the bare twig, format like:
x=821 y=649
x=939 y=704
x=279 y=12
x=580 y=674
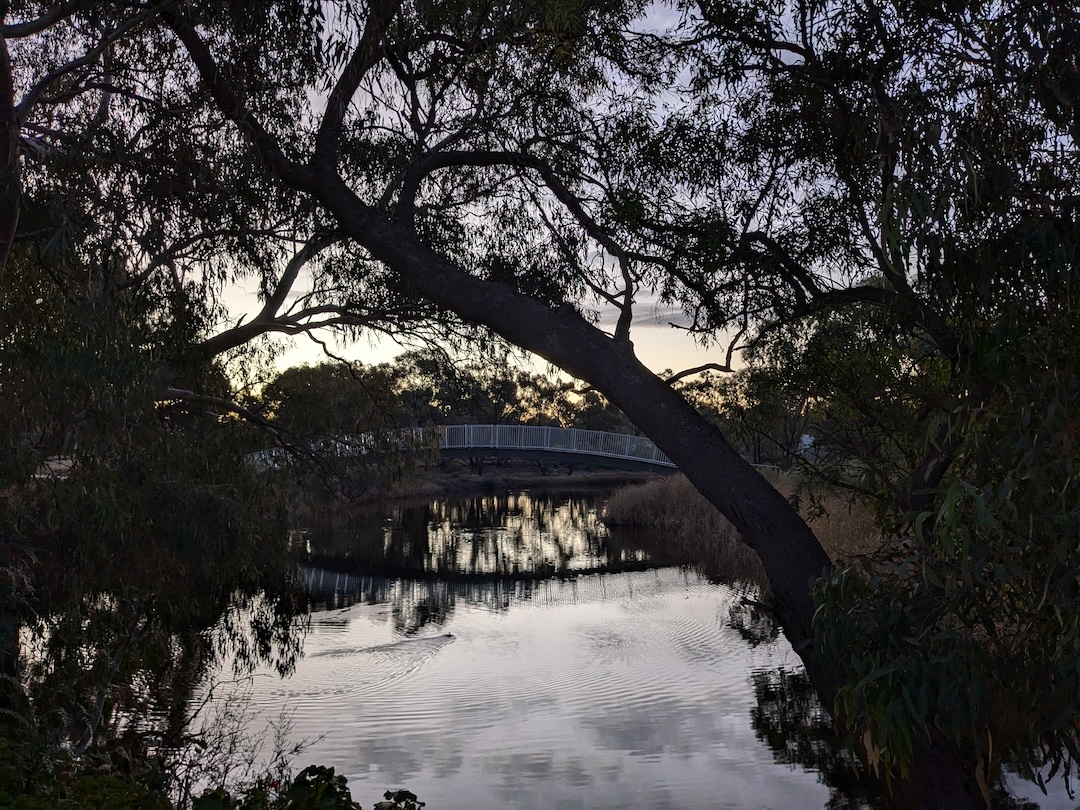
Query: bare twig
x=135 y=633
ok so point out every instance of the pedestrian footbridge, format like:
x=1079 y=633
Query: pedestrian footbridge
x=594 y=447
x=566 y=445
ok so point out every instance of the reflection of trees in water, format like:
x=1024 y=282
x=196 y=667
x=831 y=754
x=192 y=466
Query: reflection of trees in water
x=788 y=718
x=504 y=534
x=108 y=633
x=507 y=534
x=410 y=617
x=415 y=603
x=510 y=533
x=490 y=550
x=750 y=620
x=110 y=674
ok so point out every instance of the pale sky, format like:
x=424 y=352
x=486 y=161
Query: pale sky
x=658 y=345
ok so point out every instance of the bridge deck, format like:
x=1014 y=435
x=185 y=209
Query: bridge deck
x=521 y=441
x=555 y=440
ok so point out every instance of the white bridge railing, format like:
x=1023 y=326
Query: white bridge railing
x=555 y=439
x=479 y=438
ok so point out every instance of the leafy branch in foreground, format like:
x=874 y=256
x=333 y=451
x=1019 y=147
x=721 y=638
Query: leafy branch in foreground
x=759 y=166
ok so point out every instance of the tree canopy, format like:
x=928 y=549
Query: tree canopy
x=880 y=195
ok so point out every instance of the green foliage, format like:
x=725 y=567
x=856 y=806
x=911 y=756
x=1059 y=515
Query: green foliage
x=331 y=399
x=399 y=800
x=137 y=546
x=882 y=194
x=317 y=788
x=434 y=389
x=314 y=788
x=969 y=621
x=74 y=784
x=344 y=420
x=80 y=785
x=915 y=246
x=867 y=394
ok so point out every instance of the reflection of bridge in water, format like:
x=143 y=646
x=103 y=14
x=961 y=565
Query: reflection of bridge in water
x=416 y=602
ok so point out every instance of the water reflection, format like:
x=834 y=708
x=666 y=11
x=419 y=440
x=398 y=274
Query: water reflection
x=657 y=672
x=514 y=534
x=788 y=717
x=416 y=603
x=625 y=690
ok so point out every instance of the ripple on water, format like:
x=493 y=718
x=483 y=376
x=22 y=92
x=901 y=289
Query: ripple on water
x=343 y=671
x=620 y=691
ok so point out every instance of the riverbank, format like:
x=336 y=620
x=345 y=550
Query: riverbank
x=456 y=477
x=672 y=506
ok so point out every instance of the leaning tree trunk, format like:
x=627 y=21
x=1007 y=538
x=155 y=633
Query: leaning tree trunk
x=791 y=555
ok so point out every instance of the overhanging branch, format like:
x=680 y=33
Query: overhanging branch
x=36 y=26
x=364 y=57
x=430 y=162
x=228 y=100
x=32 y=96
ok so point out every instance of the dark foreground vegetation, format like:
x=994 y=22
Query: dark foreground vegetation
x=874 y=204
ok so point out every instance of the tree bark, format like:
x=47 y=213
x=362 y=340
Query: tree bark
x=11 y=171
x=788 y=549
x=790 y=553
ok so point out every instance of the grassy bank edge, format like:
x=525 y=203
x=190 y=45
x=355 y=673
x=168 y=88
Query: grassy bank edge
x=673 y=507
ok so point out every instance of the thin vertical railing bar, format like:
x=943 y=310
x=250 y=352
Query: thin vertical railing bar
x=567 y=440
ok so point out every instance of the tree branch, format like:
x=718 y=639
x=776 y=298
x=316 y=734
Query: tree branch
x=135 y=634
x=364 y=57
x=267 y=147
x=36 y=26
x=800 y=281
x=430 y=162
x=246 y=414
x=34 y=93
x=11 y=177
x=309 y=251
x=689 y=372
x=299 y=323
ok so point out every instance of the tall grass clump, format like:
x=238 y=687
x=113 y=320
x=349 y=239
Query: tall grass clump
x=845 y=530
x=691 y=528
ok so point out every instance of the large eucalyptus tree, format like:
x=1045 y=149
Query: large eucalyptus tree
x=438 y=166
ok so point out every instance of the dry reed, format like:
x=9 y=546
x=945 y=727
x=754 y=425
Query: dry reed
x=693 y=527
x=845 y=530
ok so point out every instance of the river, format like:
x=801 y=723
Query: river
x=494 y=679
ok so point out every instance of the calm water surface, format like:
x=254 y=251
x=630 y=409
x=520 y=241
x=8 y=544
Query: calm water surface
x=624 y=690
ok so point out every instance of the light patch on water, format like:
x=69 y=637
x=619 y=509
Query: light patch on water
x=618 y=691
